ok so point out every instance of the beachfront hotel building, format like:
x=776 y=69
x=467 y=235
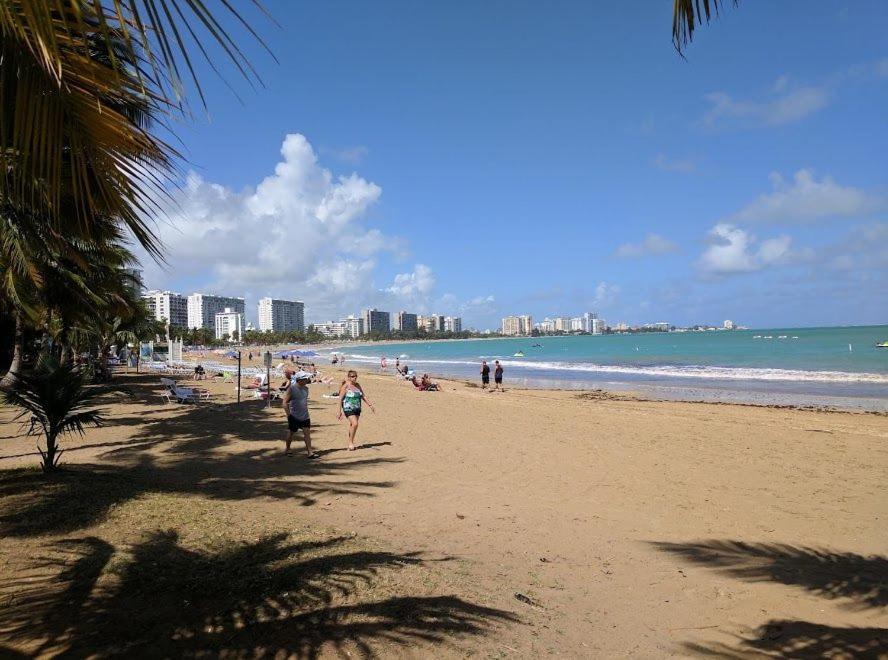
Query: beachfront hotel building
x=202 y=309
x=376 y=321
x=351 y=326
x=405 y=322
x=229 y=324
x=168 y=307
x=281 y=315
x=588 y=322
x=517 y=325
x=452 y=324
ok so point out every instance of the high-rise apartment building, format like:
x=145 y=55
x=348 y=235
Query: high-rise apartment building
x=588 y=318
x=202 y=309
x=229 y=324
x=452 y=324
x=405 y=322
x=281 y=315
x=597 y=326
x=376 y=321
x=168 y=307
x=562 y=324
x=576 y=324
x=517 y=325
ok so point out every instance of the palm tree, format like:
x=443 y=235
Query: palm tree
x=82 y=84
x=57 y=398
x=687 y=14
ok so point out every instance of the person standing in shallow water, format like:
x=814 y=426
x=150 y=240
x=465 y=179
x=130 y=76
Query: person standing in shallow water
x=296 y=408
x=351 y=394
x=485 y=375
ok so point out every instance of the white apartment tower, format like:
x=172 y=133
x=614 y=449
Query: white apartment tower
x=281 y=315
x=452 y=324
x=588 y=325
x=202 y=309
x=168 y=307
x=229 y=324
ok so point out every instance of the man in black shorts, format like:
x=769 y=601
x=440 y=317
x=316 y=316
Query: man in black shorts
x=296 y=407
x=485 y=374
x=498 y=376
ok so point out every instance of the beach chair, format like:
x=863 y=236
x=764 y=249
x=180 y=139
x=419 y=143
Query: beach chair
x=173 y=393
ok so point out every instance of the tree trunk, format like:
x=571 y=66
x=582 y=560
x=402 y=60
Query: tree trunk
x=18 y=349
x=51 y=455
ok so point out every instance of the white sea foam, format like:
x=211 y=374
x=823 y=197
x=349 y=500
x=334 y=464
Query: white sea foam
x=672 y=371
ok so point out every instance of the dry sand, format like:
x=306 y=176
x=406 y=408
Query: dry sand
x=597 y=526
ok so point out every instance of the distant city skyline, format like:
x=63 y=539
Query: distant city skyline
x=525 y=172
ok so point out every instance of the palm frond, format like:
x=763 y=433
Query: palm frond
x=688 y=14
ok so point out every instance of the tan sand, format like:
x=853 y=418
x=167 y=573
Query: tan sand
x=607 y=527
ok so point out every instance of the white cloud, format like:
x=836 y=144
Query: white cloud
x=783 y=106
x=805 y=199
x=653 y=244
x=733 y=250
x=300 y=234
x=419 y=283
x=680 y=165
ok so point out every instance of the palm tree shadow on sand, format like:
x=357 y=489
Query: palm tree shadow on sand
x=860 y=582
x=267 y=598
x=228 y=452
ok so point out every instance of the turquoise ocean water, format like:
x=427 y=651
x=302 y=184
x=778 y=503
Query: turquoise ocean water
x=832 y=366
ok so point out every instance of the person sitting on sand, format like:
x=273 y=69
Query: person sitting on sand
x=199 y=372
x=296 y=409
x=428 y=385
x=351 y=394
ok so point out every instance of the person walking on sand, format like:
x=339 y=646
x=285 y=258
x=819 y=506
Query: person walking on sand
x=485 y=375
x=351 y=394
x=383 y=364
x=296 y=409
x=498 y=376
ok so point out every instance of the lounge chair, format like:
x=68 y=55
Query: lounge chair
x=173 y=392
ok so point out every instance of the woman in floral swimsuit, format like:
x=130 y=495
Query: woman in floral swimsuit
x=350 y=397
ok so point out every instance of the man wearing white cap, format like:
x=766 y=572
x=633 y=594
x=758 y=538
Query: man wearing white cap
x=296 y=408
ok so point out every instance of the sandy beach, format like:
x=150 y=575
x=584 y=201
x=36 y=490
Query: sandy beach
x=513 y=524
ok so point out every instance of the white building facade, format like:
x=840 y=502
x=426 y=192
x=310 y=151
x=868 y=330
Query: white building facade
x=168 y=307
x=452 y=324
x=229 y=325
x=281 y=315
x=202 y=309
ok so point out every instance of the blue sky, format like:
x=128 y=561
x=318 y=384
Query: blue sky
x=493 y=158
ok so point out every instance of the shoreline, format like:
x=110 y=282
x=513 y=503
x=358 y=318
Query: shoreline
x=613 y=393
